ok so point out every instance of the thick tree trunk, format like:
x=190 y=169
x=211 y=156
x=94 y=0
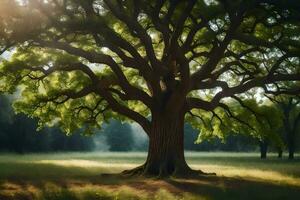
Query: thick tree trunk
x=263 y=149
x=166 y=149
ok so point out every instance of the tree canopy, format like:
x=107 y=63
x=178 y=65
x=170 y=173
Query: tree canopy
x=110 y=55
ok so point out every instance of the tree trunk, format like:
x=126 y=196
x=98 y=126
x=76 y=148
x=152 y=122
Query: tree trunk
x=263 y=149
x=166 y=149
x=291 y=146
x=280 y=152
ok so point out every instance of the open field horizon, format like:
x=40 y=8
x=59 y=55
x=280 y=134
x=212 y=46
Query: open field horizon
x=78 y=176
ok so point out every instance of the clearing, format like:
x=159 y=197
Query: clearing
x=77 y=176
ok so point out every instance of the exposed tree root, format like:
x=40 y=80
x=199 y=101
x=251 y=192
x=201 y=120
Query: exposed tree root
x=185 y=172
x=134 y=172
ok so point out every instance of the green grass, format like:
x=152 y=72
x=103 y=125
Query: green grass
x=67 y=176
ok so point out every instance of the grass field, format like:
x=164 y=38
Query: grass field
x=77 y=176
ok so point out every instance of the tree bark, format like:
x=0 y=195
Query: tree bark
x=166 y=154
x=166 y=149
x=263 y=149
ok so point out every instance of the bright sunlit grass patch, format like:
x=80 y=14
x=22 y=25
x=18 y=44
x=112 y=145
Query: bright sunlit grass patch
x=252 y=174
x=85 y=163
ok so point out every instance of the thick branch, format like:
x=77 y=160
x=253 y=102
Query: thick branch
x=102 y=59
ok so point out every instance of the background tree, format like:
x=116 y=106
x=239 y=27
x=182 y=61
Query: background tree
x=18 y=134
x=5 y=121
x=290 y=107
x=119 y=136
x=261 y=121
x=79 y=63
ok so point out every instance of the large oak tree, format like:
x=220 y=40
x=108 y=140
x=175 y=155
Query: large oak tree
x=78 y=63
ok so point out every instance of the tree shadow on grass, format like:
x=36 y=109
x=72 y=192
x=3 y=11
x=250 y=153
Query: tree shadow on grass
x=67 y=178
x=235 y=188
x=205 y=188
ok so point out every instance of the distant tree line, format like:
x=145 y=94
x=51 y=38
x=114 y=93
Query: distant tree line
x=18 y=134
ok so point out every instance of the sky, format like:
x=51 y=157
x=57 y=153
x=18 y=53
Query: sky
x=6 y=55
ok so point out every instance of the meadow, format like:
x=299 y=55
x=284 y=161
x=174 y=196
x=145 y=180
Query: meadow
x=79 y=176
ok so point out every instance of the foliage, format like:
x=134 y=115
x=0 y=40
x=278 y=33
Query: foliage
x=262 y=121
x=78 y=63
